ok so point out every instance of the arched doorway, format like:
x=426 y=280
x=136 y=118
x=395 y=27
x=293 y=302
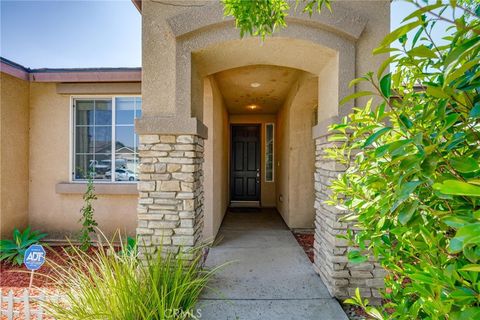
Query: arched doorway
x=177 y=203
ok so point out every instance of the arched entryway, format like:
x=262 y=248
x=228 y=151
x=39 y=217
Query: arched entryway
x=185 y=153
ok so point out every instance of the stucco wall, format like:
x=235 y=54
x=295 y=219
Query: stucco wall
x=296 y=154
x=282 y=157
x=302 y=154
x=53 y=212
x=216 y=177
x=14 y=117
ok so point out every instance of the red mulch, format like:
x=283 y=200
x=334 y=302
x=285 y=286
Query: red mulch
x=305 y=240
x=19 y=276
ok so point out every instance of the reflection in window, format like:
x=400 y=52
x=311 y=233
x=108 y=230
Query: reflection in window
x=269 y=156
x=105 y=139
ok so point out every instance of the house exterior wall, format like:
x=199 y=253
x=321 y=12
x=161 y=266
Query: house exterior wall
x=56 y=208
x=14 y=153
x=216 y=166
x=295 y=164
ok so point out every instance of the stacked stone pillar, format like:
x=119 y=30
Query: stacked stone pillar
x=170 y=205
x=330 y=251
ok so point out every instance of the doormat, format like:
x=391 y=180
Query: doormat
x=243 y=210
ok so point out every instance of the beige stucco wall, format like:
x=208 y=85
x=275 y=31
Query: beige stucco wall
x=49 y=164
x=302 y=153
x=14 y=117
x=296 y=154
x=216 y=177
x=282 y=159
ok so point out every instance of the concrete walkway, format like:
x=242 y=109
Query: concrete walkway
x=270 y=276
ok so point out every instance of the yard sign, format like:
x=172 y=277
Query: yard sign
x=33 y=259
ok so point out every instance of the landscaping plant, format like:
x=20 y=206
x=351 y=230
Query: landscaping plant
x=13 y=251
x=413 y=155
x=103 y=284
x=88 y=221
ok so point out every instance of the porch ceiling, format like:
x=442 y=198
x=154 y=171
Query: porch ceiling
x=262 y=86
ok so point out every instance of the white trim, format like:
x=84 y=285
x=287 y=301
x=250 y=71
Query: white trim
x=71 y=140
x=273 y=152
x=113 y=165
x=72 y=132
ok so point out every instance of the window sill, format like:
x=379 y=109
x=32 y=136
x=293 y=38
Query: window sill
x=100 y=188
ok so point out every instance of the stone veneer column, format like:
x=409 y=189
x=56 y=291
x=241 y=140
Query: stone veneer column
x=170 y=204
x=331 y=262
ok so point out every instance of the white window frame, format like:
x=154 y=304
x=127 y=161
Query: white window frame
x=72 y=134
x=273 y=151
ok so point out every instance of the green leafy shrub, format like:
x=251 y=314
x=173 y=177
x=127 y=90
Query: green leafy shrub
x=13 y=251
x=413 y=177
x=88 y=221
x=413 y=182
x=103 y=284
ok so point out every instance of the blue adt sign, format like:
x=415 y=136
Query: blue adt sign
x=34 y=257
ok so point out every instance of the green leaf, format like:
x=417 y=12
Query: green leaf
x=355 y=256
x=406 y=121
x=408 y=188
x=397 y=33
x=475 y=112
x=385 y=64
x=385 y=85
x=406 y=214
x=464 y=164
x=373 y=312
x=471 y=267
x=457 y=188
x=422 y=51
x=455 y=221
x=418 y=13
x=468 y=313
x=465 y=236
x=437 y=92
x=356 y=80
x=355 y=96
x=371 y=139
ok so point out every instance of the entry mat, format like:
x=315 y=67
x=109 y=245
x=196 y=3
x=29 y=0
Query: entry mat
x=243 y=210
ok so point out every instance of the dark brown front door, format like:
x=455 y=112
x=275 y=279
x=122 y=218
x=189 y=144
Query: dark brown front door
x=245 y=164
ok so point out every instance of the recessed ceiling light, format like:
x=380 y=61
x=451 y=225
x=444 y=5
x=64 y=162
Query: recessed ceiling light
x=252 y=107
x=255 y=84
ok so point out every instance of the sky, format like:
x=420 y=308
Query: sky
x=69 y=34
x=81 y=34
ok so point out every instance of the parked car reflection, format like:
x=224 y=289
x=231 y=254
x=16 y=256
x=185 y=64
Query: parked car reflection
x=122 y=175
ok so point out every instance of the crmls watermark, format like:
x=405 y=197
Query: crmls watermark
x=193 y=314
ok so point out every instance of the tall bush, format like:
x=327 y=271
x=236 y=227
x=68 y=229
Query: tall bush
x=413 y=154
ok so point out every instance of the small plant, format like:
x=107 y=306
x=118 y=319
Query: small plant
x=129 y=247
x=13 y=251
x=104 y=284
x=87 y=219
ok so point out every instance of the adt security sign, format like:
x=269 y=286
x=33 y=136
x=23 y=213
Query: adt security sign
x=34 y=257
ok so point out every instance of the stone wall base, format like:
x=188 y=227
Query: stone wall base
x=170 y=204
x=330 y=252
